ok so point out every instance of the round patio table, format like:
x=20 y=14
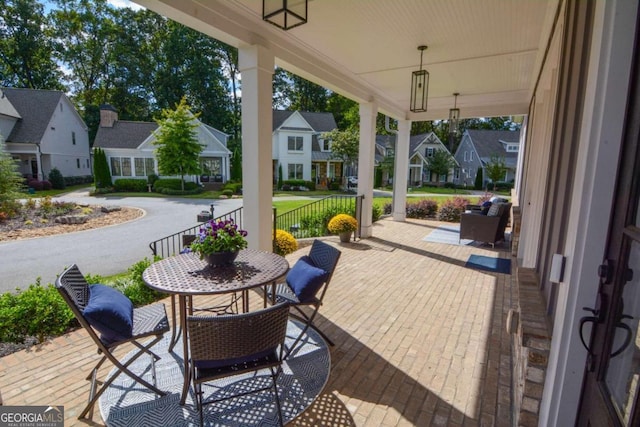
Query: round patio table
x=186 y=275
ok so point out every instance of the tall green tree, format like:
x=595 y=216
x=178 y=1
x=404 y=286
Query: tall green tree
x=496 y=168
x=26 y=51
x=84 y=33
x=344 y=145
x=293 y=92
x=441 y=162
x=101 y=172
x=10 y=183
x=178 y=149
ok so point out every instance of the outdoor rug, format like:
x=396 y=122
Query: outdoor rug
x=449 y=234
x=487 y=263
x=305 y=373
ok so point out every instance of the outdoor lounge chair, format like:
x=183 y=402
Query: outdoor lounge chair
x=306 y=284
x=229 y=345
x=105 y=311
x=487 y=228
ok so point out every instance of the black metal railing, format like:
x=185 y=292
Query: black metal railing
x=309 y=220
x=173 y=244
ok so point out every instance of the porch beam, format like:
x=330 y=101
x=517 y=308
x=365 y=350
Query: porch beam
x=256 y=64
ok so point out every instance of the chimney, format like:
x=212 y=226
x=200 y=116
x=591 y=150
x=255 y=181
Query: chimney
x=108 y=116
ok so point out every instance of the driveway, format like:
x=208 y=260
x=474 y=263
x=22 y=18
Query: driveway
x=104 y=251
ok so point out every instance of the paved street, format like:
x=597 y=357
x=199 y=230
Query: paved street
x=106 y=250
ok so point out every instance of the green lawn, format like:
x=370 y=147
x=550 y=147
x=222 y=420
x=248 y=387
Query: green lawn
x=53 y=193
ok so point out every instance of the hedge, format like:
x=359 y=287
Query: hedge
x=130 y=185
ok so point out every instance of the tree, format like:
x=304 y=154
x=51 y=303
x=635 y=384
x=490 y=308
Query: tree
x=101 y=172
x=10 y=183
x=496 y=168
x=479 y=179
x=178 y=149
x=344 y=144
x=84 y=31
x=441 y=162
x=26 y=51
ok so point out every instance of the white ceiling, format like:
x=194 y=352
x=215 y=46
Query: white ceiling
x=489 y=51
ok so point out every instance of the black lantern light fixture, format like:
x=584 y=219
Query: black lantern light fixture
x=419 y=87
x=454 y=116
x=285 y=14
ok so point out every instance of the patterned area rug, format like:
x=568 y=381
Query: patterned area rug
x=305 y=373
x=448 y=234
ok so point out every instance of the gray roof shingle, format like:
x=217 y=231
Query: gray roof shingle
x=124 y=134
x=319 y=122
x=488 y=143
x=36 y=107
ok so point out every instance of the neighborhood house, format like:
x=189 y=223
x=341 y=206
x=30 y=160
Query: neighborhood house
x=42 y=130
x=130 y=150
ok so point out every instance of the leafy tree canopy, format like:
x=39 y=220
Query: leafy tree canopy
x=496 y=168
x=178 y=149
x=344 y=143
x=441 y=162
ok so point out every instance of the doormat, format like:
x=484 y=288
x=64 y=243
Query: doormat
x=487 y=263
x=449 y=234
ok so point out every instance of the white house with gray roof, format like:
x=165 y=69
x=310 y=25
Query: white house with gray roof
x=422 y=147
x=42 y=131
x=131 y=153
x=298 y=147
x=476 y=149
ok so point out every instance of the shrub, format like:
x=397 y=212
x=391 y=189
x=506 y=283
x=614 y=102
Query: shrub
x=334 y=186
x=152 y=178
x=56 y=178
x=37 y=311
x=425 y=208
x=451 y=210
x=130 y=184
x=134 y=287
x=387 y=209
x=450 y=185
x=376 y=213
x=75 y=180
x=101 y=169
x=342 y=223
x=285 y=243
x=227 y=192
x=35 y=184
x=235 y=187
x=296 y=184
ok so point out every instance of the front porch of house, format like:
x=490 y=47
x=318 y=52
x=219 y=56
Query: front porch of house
x=420 y=339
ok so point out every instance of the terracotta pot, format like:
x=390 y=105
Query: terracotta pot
x=218 y=259
x=345 y=236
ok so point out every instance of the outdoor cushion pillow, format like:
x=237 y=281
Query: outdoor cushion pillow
x=305 y=279
x=110 y=312
x=494 y=209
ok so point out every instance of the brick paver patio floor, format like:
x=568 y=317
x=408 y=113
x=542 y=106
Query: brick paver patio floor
x=420 y=340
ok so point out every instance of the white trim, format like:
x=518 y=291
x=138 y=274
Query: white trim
x=602 y=120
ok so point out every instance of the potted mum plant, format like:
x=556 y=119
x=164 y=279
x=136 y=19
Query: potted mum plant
x=218 y=242
x=343 y=225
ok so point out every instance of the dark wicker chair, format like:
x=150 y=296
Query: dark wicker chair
x=229 y=345
x=148 y=322
x=323 y=256
x=484 y=228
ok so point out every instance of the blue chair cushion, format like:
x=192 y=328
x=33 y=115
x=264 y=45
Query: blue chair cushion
x=110 y=312
x=217 y=364
x=305 y=279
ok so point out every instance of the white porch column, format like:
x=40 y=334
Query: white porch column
x=256 y=64
x=401 y=170
x=366 y=161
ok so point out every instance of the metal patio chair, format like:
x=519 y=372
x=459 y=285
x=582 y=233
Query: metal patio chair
x=230 y=345
x=306 y=287
x=146 y=322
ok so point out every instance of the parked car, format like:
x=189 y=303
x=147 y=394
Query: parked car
x=352 y=181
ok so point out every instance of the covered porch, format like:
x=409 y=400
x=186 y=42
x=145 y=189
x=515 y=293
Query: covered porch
x=430 y=349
